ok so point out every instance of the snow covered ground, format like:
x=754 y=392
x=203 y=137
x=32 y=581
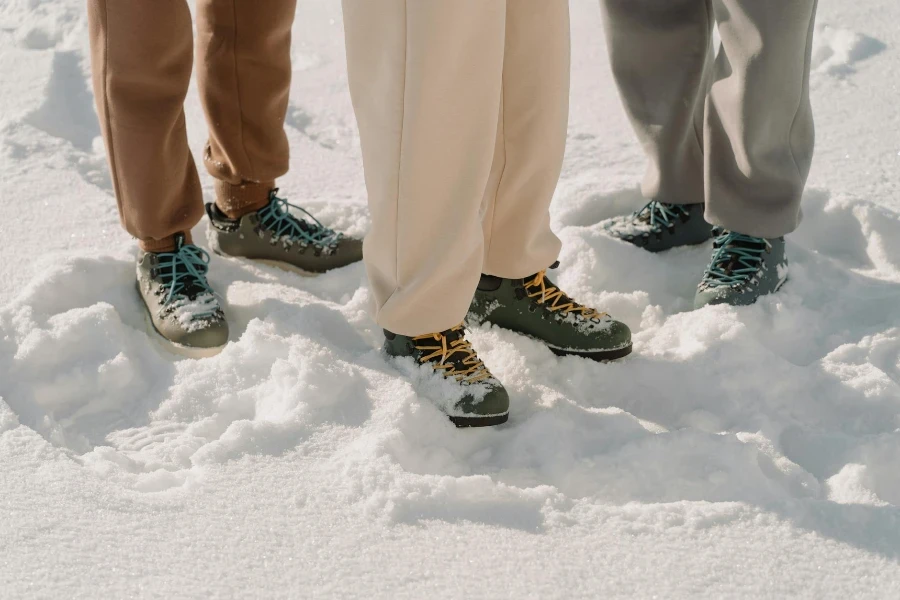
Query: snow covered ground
x=748 y=452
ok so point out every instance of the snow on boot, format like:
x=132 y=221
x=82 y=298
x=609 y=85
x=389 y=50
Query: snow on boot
x=447 y=369
x=659 y=226
x=742 y=269
x=182 y=307
x=535 y=307
x=275 y=236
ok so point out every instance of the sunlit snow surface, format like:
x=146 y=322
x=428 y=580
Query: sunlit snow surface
x=738 y=452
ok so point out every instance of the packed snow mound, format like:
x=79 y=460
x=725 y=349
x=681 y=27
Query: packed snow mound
x=721 y=404
x=836 y=50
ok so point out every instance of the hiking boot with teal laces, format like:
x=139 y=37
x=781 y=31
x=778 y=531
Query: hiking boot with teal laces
x=742 y=269
x=181 y=305
x=274 y=235
x=535 y=307
x=659 y=226
x=447 y=369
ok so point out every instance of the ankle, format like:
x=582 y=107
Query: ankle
x=166 y=244
x=235 y=201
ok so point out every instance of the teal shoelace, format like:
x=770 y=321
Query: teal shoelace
x=183 y=275
x=737 y=259
x=659 y=215
x=277 y=218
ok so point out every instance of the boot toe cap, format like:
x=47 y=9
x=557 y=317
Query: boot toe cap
x=213 y=335
x=619 y=334
x=610 y=334
x=350 y=251
x=494 y=403
x=729 y=296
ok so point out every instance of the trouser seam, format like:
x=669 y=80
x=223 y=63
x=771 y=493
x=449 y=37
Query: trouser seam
x=490 y=240
x=400 y=149
x=703 y=92
x=237 y=84
x=106 y=108
x=807 y=57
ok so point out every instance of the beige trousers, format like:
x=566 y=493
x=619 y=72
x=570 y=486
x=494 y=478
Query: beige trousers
x=736 y=130
x=142 y=56
x=462 y=108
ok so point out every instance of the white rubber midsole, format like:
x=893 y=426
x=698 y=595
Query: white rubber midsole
x=285 y=267
x=168 y=345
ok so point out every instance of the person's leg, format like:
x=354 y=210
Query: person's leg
x=759 y=131
x=141 y=55
x=661 y=58
x=244 y=78
x=531 y=140
x=519 y=244
x=759 y=140
x=244 y=56
x=425 y=79
x=660 y=54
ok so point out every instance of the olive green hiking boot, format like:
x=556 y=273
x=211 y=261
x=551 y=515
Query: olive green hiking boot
x=449 y=371
x=180 y=303
x=275 y=236
x=535 y=307
x=659 y=226
x=742 y=269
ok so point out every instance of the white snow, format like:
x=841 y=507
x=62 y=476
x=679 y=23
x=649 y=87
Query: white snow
x=747 y=452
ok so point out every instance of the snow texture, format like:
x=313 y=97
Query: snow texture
x=748 y=452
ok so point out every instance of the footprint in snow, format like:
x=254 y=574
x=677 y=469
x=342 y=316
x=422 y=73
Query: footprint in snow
x=836 y=51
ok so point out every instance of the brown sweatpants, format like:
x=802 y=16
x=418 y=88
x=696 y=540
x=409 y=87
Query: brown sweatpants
x=462 y=108
x=142 y=56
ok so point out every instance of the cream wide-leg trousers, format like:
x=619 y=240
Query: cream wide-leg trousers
x=462 y=108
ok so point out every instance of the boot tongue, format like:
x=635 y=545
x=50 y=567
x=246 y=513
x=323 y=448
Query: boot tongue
x=189 y=286
x=733 y=261
x=451 y=335
x=548 y=285
x=552 y=267
x=278 y=213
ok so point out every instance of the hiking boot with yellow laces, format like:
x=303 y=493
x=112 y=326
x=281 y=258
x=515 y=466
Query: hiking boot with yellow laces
x=535 y=307
x=448 y=370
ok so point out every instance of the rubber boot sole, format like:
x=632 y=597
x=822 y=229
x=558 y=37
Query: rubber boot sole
x=659 y=250
x=284 y=266
x=281 y=265
x=488 y=421
x=600 y=356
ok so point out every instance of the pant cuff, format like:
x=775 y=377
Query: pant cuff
x=247 y=197
x=166 y=244
x=758 y=221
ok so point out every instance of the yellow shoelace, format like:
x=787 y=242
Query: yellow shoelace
x=475 y=370
x=551 y=295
